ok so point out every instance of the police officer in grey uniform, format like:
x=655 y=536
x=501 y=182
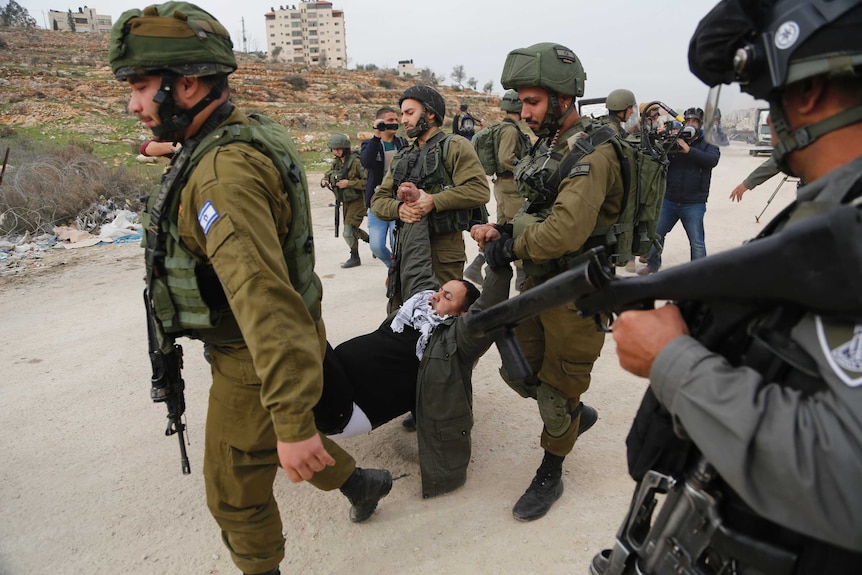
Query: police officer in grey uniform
x=785 y=442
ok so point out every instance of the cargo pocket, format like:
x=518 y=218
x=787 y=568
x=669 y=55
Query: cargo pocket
x=449 y=432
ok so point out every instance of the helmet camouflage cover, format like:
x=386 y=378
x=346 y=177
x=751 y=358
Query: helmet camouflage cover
x=175 y=36
x=338 y=141
x=545 y=65
x=510 y=102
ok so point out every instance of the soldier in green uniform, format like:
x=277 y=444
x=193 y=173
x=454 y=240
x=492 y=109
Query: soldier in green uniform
x=229 y=260
x=347 y=180
x=512 y=145
x=554 y=226
x=448 y=176
x=621 y=105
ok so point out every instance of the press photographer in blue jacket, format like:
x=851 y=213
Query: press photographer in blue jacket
x=688 y=178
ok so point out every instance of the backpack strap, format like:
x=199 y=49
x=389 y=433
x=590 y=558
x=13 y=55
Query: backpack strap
x=583 y=147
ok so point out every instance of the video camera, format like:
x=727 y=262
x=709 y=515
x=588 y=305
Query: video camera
x=383 y=127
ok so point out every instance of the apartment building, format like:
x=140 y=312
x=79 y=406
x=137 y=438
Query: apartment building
x=308 y=33
x=84 y=20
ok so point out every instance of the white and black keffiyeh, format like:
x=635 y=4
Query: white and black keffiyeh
x=418 y=314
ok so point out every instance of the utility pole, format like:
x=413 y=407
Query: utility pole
x=244 y=43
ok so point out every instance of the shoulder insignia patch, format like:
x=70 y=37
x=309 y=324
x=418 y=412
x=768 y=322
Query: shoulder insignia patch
x=582 y=169
x=207 y=216
x=841 y=344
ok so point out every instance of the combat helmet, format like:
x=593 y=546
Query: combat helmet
x=545 y=65
x=619 y=100
x=337 y=141
x=175 y=36
x=429 y=97
x=511 y=103
x=766 y=46
x=431 y=101
x=552 y=67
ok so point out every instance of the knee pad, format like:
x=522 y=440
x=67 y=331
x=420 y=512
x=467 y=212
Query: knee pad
x=349 y=232
x=554 y=410
x=525 y=387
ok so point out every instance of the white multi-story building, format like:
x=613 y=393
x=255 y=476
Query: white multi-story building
x=84 y=20
x=308 y=33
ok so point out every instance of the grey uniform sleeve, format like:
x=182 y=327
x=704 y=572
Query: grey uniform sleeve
x=761 y=173
x=795 y=460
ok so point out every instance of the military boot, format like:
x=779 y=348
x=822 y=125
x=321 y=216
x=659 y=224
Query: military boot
x=364 y=489
x=354 y=259
x=546 y=487
x=275 y=571
x=589 y=416
x=363 y=235
x=474 y=270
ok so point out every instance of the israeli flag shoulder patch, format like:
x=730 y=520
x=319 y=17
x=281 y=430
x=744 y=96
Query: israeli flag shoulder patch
x=207 y=216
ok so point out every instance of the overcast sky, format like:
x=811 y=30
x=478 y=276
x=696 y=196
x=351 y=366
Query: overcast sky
x=632 y=44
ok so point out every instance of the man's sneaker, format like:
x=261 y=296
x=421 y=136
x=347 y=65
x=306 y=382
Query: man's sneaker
x=631 y=267
x=364 y=489
x=646 y=271
x=546 y=487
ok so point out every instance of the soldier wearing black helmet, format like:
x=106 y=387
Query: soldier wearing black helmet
x=230 y=261
x=554 y=227
x=785 y=442
x=437 y=175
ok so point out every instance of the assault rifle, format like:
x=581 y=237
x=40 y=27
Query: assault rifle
x=167 y=383
x=716 y=295
x=337 y=215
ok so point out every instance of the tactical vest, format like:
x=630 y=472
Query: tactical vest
x=187 y=296
x=425 y=168
x=644 y=178
x=340 y=171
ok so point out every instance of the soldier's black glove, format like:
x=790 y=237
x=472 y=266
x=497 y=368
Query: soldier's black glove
x=499 y=253
x=505 y=229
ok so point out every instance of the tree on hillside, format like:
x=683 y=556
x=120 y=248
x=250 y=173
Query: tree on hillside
x=275 y=53
x=458 y=75
x=489 y=87
x=70 y=20
x=323 y=59
x=472 y=82
x=426 y=76
x=13 y=14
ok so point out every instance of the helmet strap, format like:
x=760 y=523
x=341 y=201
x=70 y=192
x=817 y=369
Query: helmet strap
x=554 y=117
x=803 y=137
x=173 y=120
x=421 y=126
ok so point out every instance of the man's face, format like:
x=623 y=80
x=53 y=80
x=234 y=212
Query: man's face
x=411 y=111
x=693 y=122
x=449 y=299
x=144 y=89
x=535 y=106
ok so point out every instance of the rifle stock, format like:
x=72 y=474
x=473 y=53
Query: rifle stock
x=167 y=385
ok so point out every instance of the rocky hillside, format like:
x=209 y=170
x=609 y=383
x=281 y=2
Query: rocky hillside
x=59 y=84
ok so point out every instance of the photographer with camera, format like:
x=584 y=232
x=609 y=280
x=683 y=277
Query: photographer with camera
x=376 y=155
x=688 y=177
